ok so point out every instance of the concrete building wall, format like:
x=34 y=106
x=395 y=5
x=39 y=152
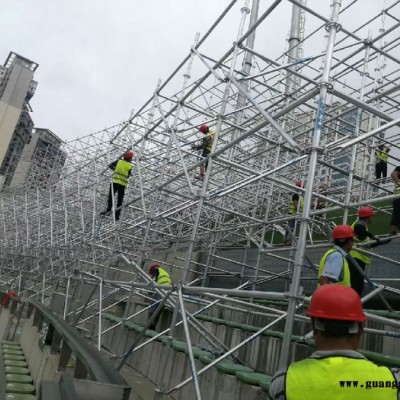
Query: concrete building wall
x=14 y=89
x=9 y=116
x=25 y=163
x=18 y=83
x=41 y=161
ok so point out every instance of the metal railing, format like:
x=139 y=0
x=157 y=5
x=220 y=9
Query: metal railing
x=63 y=339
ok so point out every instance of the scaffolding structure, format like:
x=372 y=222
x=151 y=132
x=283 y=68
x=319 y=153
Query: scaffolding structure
x=307 y=107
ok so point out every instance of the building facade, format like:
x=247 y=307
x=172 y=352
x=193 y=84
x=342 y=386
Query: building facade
x=41 y=161
x=17 y=87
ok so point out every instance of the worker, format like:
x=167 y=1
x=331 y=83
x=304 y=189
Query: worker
x=321 y=203
x=10 y=294
x=381 y=158
x=295 y=206
x=334 y=266
x=362 y=234
x=122 y=171
x=161 y=277
x=205 y=146
x=336 y=370
x=395 y=221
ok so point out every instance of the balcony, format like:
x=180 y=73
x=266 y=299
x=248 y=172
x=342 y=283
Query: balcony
x=31 y=90
x=26 y=121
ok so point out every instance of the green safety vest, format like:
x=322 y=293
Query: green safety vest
x=163 y=277
x=346 y=272
x=396 y=188
x=208 y=140
x=354 y=253
x=381 y=156
x=121 y=172
x=316 y=379
x=292 y=208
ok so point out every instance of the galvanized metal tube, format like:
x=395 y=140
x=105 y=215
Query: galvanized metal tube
x=295 y=289
x=217 y=360
x=189 y=343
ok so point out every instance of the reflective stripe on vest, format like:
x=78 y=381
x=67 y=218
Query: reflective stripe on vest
x=345 y=271
x=121 y=172
x=316 y=379
x=381 y=156
x=354 y=253
x=163 y=277
x=292 y=208
x=209 y=140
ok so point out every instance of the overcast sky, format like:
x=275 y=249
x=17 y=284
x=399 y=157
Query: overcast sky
x=99 y=59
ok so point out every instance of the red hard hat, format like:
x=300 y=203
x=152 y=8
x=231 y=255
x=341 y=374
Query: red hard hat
x=299 y=183
x=337 y=302
x=153 y=267
x=203 y=128
x=128 y=154
x=364 y=212
x=342 y=232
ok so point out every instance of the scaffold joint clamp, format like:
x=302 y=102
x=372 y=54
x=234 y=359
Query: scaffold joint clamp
x=335 y=25
x=318 y=149
x=328 y=85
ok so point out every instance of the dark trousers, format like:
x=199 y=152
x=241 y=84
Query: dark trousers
x=395 y=221
x=381 y=170
x=292 y=225
x=205 y=154
x=119 y=193
x=356 y=279
x=153 y=309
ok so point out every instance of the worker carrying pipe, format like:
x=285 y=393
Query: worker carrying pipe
x=363 y=235
x=334 y=266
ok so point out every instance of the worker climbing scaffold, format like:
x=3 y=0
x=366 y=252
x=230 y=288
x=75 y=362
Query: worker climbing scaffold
x=295 y=207
x=122 y=171
x=160 y=277
x=205 y=146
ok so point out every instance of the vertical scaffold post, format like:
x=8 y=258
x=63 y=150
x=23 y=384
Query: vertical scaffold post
x=332 y=27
